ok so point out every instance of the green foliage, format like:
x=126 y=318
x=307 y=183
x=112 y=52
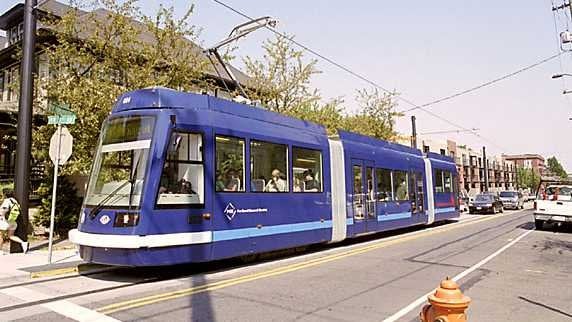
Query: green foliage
x=6 y=185
x=101 y=54
x=281 y=82
x=556 y=168
x=527 y=178
x=68 y=206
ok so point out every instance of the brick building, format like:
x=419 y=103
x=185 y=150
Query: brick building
x=528 y=161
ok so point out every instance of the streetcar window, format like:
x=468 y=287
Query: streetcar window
x=420 y=192
x=229 y=164
x=307 y=170
x=400 y=185
x=439 y=185
x=358 y=194
x=383 y=179
x=182 y=180
x=447 y=180
x=269 y=164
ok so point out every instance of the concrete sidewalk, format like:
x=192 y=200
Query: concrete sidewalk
x=17 y=267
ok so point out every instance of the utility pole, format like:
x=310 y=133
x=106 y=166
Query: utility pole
x=563 y=6
x=413 y=133
x=24 y=134
x=486 y=169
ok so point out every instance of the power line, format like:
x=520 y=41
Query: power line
x=365 y=79
x=445 y=132
x=496 y=80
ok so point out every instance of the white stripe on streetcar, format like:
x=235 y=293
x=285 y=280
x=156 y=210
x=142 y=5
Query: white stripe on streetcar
x=421 y=300
x=133 y=145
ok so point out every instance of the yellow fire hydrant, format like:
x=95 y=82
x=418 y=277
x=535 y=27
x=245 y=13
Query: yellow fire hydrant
x=447 y=304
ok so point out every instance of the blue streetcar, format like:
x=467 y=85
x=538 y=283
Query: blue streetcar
x=181 y=177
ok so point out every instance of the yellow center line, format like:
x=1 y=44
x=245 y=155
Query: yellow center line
x=135 y=303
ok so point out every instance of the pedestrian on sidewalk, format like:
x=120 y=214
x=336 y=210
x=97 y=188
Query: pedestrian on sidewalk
x=10 y=211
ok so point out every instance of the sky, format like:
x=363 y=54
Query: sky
x=426 y=50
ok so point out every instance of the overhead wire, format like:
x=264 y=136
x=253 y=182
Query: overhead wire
x=559 y=49
x=422 y=107
x=485 y=84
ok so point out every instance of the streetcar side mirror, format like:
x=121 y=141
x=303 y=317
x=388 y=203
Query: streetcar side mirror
x=175 y=142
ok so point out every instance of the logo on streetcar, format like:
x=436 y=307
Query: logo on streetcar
x=104 y=220
x=230 y=210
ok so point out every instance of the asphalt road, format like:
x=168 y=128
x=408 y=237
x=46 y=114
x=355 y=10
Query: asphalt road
x=521 y=275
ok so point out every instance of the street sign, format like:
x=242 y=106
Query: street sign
x=61 y=119
x=60 y=109
x=62 y=114
x=61 y=142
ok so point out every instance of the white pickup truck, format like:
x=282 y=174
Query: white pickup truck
x=553 y=204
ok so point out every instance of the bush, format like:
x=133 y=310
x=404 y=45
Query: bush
x=68 y=206
x=6 y=184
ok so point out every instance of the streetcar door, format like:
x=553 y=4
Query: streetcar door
x=363 y=196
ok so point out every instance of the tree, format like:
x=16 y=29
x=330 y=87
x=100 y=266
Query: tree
x=527 y=178
x=376 y=117
x=97 y=56
x=556 y=168
x=281 y=82
x=100 y=54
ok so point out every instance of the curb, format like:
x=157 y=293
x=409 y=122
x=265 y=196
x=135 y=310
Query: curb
x=71 y=268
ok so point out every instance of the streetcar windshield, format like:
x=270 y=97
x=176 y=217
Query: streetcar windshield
x=119 y=167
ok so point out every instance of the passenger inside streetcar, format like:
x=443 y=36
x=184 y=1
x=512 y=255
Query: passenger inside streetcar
x=277 y=183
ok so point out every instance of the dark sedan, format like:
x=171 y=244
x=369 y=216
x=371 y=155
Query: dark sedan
x=486 y=203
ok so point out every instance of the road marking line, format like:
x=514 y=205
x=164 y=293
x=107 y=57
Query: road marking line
x=401 y=313
x=135 y=303
x=62 y=307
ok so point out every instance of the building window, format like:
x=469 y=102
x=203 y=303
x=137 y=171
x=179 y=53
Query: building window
x=15 y=34
x=8 y=74
x=269 y=162
x=1 y=86
x=442 y=152
x=182 y=180
x=400 y=185
x=229 y=164
x=384 y=187
x=307 y=170
x=426 y=148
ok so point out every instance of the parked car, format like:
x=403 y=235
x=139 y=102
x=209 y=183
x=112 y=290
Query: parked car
x=554 y=204
x=486 y=202
x=512 y=199
x=531 y=197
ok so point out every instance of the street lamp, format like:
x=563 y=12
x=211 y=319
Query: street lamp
x=564 y=92
x=560 y=75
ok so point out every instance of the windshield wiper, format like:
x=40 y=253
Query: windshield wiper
x=95 y=210
x=133 y=177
